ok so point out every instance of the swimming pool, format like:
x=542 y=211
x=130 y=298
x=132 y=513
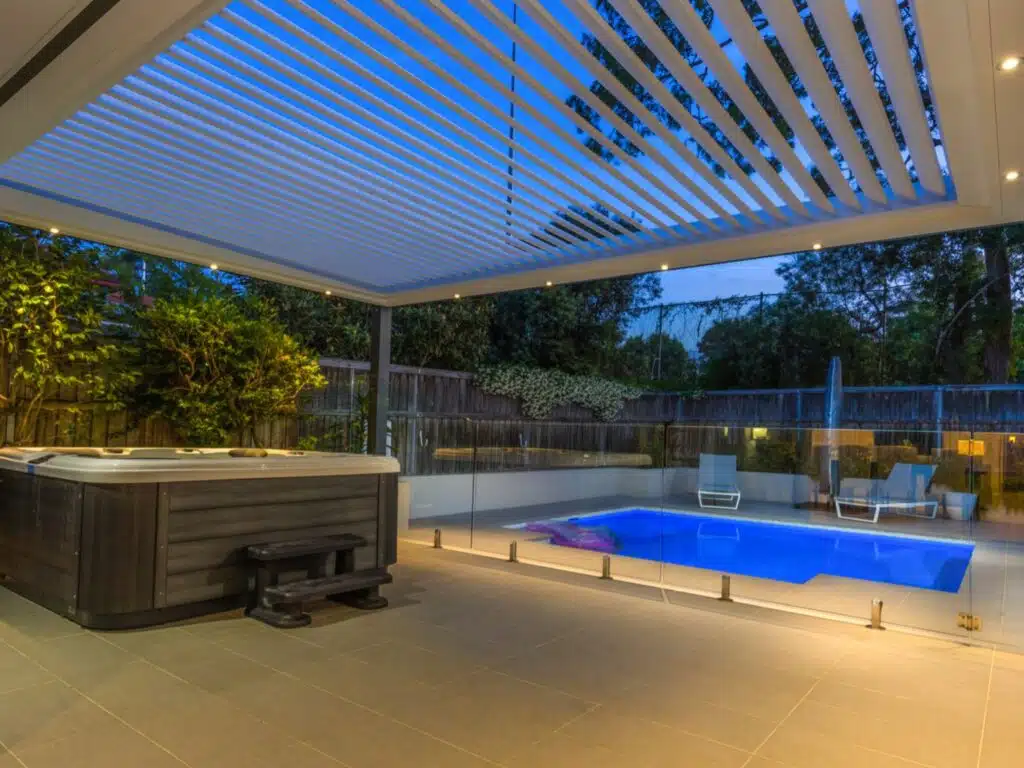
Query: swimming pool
x=780 y=551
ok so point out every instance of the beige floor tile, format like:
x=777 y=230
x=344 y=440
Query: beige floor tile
x=942 y=743
x=907 y=706
x=649 y=743
x=763 y=693
x=270 y=647
x=17 y=672
x=81 y=659
x=562 y=751
x=102 y=747
x=211 y=668
x=35 y=716
x=684 y=708
x=490 y=714
x=798 y=747
x=415 y=663
x=377 y=687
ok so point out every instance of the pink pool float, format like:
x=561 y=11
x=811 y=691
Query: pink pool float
x=566 y=534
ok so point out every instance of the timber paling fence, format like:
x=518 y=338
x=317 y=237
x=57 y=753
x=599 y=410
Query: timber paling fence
x=440 y=422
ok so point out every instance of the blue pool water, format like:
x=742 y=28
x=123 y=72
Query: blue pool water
x=792 y=553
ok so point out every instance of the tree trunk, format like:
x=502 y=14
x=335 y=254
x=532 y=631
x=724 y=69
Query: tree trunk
x=998 y=327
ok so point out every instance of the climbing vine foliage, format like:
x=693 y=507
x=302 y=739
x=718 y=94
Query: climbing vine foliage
x=541 y=391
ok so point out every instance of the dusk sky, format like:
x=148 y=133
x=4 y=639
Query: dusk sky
x=737 y=278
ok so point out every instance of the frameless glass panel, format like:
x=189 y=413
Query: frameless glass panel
x=995 y=505
x=436 y=490
x=551 y=486
x=867 y=521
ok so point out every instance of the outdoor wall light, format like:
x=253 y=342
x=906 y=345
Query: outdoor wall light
x=457 y=296
x=327 y=293
x=548 y=283
x=664 y=267
x=54 y=231
x=213 y=267
x=817 y=246
x=1010 y=63
x=1011 y=175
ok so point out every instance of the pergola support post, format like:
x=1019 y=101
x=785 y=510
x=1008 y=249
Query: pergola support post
x=380 y=372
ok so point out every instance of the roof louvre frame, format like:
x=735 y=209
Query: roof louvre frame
x=843 y=45
x=882 y=19
x=269 y=193
x=613 y=85
x=473 y=96
x=663 y=219
x=542 y=217
x=699 y=37
x=756 y=53
x=667 y=217
x=404 y=151
x=702 y=96
x=638 y=70
x=788 y=27
x=221 y=203
x=342 y=143
x=373 y=212
x=217 y=96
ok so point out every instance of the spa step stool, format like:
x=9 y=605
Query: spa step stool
x=280 y=605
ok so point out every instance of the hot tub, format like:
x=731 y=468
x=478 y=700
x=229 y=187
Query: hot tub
x=117 y=538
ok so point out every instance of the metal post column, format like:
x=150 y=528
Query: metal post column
x=380 y=371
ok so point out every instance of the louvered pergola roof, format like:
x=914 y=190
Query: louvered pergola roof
x=398 y=151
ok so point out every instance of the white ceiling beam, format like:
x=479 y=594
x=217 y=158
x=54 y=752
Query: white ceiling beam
x=581 y=90
x=697 y=35
x=588 y=164
x=756 y=53
x=614 y=197
x=611 y=40
x=948 y=39
x=841 y=38
x=688 y=80
x=788 y=28
x=882 y=19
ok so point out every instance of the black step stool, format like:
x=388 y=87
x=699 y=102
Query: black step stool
x=280 y=605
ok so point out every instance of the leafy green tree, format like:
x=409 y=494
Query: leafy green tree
x=658 y=360
x=53 y=306
x=215 y=369
x=574 y=328
x=788 y=344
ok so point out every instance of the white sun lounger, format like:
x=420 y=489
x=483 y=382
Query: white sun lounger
x=716 y=482
x=902 y=493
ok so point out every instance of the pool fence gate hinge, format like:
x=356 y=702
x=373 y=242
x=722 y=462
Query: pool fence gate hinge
x=437 y=538
x=968 y=621
x=876 y=615
x=726 y=595
x=513 y=551
x=606 y=567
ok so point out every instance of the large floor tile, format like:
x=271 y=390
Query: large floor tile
x=16 y=671
x=802 y=748
x=941 y=743
x=35 y=716
x=491 y=714
x=643 y=742
x=109 y=745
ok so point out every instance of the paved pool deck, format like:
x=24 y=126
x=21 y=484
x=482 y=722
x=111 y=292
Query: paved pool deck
x=483 y=663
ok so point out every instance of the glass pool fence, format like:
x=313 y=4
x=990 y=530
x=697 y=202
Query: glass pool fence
x=928 y=522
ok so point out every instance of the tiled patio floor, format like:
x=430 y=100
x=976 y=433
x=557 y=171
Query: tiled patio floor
x=483 y=663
